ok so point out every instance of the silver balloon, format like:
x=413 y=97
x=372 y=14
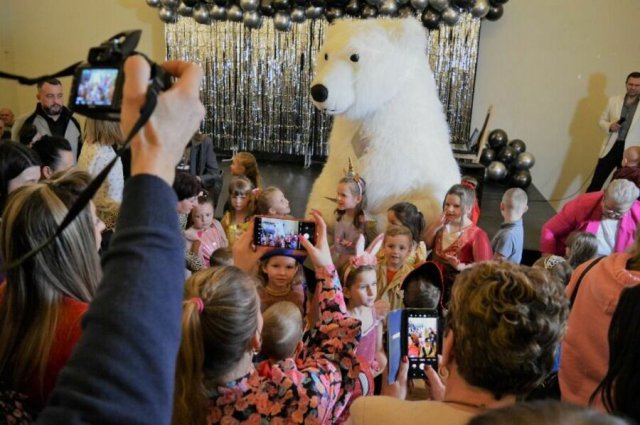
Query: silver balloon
x=439 y=5
x=496 y=171
x=282 y=21
x=249 y=5
x=252 y=19
x=168 y=16
x=525 y=160
x=388 y=8
x=201 y=14
x=219 y=13
x=450 y=16
x=480 y=8
x=419 y=5
x=172 y=4
x=374 y=2
x=313 y=12
x=298 y=15
x=234 y=13
x=153 y=3
x=184 y=10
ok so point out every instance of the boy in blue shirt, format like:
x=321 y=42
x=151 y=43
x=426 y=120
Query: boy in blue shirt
x=508 y=242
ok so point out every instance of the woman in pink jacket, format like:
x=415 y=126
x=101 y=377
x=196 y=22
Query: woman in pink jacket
x=612 y=215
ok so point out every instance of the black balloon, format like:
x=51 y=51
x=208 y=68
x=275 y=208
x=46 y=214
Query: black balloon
x=406 y=11
x=189 y=3
x=498 y=139
x=369 y=11
x=487 y=156
x=495 y=13
x=430 y=18
x=318 y=3
x=281 y=4
x=222 y=3
x=266 y=7
x=520 y=178
x=518 y=145
x=462 y=4
x=507 y=155
x=353 y=8
x=497 y=171
x=497 y=2
x=332 y=14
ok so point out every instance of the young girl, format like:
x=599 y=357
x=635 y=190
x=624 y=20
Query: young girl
x=271 y=201
x=245 y=164
x=350 y=217
x=282 y=279
x=581 y=247
x=206 y=233
x=239 y=208
x=396 y=245
x=406 y=214
x=360 y=290
x=455 y=240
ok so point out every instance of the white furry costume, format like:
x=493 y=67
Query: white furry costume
x=374 y=76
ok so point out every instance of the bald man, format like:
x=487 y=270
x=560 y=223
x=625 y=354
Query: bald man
x=630 y=169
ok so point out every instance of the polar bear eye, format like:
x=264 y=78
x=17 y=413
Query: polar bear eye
x=326 y=56
x=355 y=57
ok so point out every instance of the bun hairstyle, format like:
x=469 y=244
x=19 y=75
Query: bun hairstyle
x=409 y=215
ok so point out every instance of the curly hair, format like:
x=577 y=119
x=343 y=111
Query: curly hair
x=507 y=321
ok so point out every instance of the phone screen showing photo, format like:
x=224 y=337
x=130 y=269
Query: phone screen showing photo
x=282 y=233
x=423 y=344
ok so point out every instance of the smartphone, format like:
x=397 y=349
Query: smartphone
x=421 y=334
x=282 y=232
x=621 y=120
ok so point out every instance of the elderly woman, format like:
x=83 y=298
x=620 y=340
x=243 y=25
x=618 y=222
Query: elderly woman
x=503 y=328
x=612 y=216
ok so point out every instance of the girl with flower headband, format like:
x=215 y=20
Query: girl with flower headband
x=350 y=216
x=239 y=208
x=360 y=290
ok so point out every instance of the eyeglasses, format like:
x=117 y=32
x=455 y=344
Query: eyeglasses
x=613 y=213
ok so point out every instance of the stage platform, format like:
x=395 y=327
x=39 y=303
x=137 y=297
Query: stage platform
x=297 y=181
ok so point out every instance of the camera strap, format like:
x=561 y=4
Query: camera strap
x=87 y=194
x=31 y=81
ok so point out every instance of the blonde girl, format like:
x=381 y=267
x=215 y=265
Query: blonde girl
x=239 y=209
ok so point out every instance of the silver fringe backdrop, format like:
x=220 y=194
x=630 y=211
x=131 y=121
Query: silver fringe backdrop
x=256 y=86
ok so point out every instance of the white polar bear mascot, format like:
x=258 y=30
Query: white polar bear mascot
x=374 y=76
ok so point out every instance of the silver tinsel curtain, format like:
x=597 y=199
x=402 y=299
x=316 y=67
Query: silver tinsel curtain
x=256 y=86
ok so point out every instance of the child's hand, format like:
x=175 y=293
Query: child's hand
x=382 y=308
x=454 y=262
x=346 y=243
x=319 y=254
x=191 y=235
x=399 y=388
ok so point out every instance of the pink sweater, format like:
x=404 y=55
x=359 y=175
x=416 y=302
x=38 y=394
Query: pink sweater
x=584 y=213
x=585 y=350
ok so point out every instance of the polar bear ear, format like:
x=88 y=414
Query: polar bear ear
x=407 y=32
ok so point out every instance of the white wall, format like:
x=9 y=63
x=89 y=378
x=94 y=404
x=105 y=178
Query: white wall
x=44 y=36
x=548 y=67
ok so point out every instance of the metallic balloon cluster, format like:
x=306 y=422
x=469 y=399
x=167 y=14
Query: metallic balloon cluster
x=507 y=161
x=286 y=12
x=256 y=83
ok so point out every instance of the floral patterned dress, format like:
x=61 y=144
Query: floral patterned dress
x=317 y=387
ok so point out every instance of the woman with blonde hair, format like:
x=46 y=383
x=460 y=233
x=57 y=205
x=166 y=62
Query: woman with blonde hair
x=44 y=298
x=101 y=139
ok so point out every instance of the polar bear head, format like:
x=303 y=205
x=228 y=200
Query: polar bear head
x=364 y=63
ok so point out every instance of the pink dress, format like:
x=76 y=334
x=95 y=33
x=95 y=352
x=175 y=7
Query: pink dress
x=368 y=341
x=210 y=240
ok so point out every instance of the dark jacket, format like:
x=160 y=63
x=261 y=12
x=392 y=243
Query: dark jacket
x=203 y=163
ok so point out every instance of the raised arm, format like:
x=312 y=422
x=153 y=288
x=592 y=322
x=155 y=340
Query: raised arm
x=122 y=370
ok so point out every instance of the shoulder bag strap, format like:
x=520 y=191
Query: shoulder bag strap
x=575 y=291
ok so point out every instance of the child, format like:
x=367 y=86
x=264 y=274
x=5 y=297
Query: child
x=406 y=214
x=581 y=247
x=281 y=276
x=271 y=201
x=221 y=257
x=239 y=208
x=422 y=288
x=397 y=244
x=281 y=335
x=360 y=290
x=245 y=164
x=508 y=241
x=630 y=169
x=456 y=241
x=206 y=233
x=350 y=217
x=557 y=266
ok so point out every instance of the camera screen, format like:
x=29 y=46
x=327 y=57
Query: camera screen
x=422 y=341
x=96 y=87
x=282 y=233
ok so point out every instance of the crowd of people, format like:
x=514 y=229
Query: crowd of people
x=189 y=321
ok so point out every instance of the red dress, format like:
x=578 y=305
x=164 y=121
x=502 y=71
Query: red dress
x=472 y=246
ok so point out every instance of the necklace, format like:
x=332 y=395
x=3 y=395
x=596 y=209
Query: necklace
x=277 y=292
x=479 y=406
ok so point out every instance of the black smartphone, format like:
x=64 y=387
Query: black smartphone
x=282 y=232
x=622 y=120
x=421 y=334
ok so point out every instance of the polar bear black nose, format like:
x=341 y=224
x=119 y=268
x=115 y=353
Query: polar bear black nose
x=319 y=93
